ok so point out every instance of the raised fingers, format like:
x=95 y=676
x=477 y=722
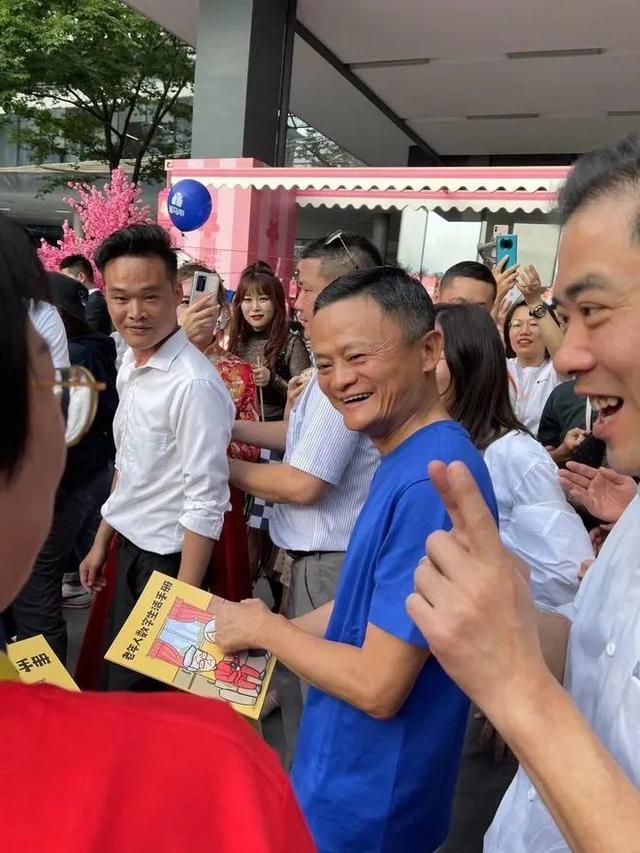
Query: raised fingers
x=466 y=507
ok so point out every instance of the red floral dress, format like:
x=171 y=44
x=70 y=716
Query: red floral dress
x=230 y=571
x=237 y=375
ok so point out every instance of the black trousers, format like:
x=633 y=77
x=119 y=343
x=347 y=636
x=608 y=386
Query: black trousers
x=76 y=516
x=134 y=567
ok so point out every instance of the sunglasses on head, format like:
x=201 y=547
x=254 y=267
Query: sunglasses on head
x=337 y=237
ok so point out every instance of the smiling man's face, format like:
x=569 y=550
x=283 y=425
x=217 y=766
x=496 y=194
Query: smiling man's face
x=371 y=374
x=598 y=293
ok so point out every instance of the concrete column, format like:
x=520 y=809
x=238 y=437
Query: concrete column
x=412 y=240
x=380 y=235
x=243 y=69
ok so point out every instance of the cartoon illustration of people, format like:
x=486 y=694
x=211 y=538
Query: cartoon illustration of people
x=238 y=676
x=234 y=670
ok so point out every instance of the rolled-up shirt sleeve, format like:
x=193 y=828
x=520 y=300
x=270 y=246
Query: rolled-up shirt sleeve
x=202 y=415
x=326 y=446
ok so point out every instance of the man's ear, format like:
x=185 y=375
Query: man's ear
x=432 y=349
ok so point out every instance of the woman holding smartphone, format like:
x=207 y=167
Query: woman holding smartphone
x=200 y=317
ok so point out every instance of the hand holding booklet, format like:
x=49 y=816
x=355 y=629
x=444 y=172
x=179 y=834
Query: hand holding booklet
x=170 y=635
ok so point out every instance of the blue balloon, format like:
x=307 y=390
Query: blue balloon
x=189 y=204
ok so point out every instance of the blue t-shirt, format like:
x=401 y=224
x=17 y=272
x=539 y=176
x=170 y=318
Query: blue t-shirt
x=370 y=785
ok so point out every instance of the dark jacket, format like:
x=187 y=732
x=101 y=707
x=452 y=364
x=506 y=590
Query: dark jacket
x=97 y=353
x=97 y=313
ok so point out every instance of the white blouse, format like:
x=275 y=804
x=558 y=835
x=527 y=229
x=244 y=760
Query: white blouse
x=529 y=388
x=536 y=521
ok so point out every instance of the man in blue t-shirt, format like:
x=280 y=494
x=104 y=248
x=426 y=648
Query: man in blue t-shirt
x=383 y=725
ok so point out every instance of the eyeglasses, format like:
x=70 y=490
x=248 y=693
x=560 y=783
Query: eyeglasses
x=518 y=324
x=337 y=237
x=77 y=391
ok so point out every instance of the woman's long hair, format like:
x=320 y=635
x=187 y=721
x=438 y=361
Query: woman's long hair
x=478 y=396
x=259 y=279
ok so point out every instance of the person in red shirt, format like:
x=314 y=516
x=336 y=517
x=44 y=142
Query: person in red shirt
x=171 y=771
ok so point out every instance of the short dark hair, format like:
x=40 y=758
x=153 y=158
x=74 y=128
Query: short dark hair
x=335 y=261
x=469 y=269
x=608 y=171
x=479 y=396
x=510 y=353
x=138 y=241
x=77 y=264
x=22 y=279
x=398 y=294
x=190 y=268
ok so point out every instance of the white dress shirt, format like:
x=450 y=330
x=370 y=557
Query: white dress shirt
x=48 y=324
x=536 y=521
x=603 y=679
x=319 y=444
x=171 y=430
x=530 y=388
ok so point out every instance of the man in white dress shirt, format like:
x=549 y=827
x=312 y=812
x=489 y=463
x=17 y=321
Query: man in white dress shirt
x=321 y=486
x=578 y=786
x=171 y=430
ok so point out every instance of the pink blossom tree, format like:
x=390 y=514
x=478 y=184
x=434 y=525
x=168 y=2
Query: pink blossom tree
x=101 y=212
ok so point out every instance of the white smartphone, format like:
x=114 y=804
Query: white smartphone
x=205 y=284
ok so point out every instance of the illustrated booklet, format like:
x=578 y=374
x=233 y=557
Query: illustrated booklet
x=169 y=636
x=36 y=663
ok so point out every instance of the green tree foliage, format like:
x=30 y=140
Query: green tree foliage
x=95 y=80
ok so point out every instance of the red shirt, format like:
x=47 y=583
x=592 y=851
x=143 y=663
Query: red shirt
x=120 y=772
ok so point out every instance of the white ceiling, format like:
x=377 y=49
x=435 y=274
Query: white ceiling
x=469 y=73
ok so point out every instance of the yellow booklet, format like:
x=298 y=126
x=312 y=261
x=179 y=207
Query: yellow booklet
x=168 y=636
x=36 y=663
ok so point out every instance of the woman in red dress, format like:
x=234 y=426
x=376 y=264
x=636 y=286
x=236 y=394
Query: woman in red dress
x=230 y=575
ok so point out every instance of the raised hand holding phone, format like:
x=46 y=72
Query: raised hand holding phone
x=199 y=319
x=205 y=284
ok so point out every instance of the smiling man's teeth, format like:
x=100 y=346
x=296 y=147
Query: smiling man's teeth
x=600 y=403
x=356 y=398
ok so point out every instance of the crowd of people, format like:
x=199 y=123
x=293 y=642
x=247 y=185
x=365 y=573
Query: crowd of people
x=441 y=496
